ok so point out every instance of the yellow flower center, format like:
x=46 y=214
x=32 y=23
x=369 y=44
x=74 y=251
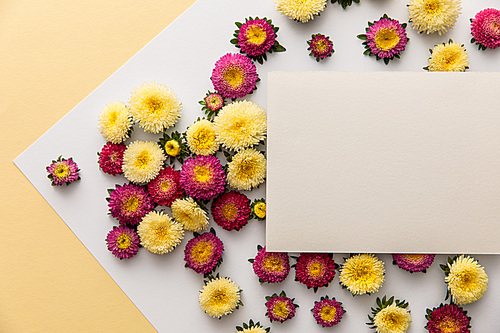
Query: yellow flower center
x=201 y=252
x=165 y=185
x=247 y=168
x=386 y=39
x=229 y=211
x=61 y=171
x=132 y=204
x=256 y=35
x=172 y=148
x=113 y=116
x=448 y=326
x=260 y=210
x=414 y=257
x=281 y=310
x=204 y=137
x=315 y=269
x=328 y=313
x=153 y=104
x=433 y=7
x=143 y=159
x=219 y=298
x=233 y=76
x=321 y=46
x=393 y=321
x=273 y=264
x=123 y=241
x=202 y=174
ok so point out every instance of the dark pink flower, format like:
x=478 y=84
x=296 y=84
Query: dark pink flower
x=320 y=46
x=280 y=307
x=123 y=242
x=234 y=76
x=231 y=210
x=166 y=188
x=271 y=267
x=315 y=269
x=447 y=318
x=203 y=253
x=256 y=37
x=485 y=28
x=202 y=177
x=129 y=203
x=111 y=158
x=327 y=312
x=63 y=171
x=413 y=262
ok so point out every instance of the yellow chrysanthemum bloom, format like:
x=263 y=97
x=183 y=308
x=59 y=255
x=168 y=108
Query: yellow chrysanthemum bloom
x=246 y=170
x=260 y=209
x=449 y=57
x=432 y=16
x=467 y=280
x=300 y=10
x=362 y=274
x=240 y=125
x=172 y=148
x=142 y=161
x=155 y=107
x=201 y=138
x=219 y=297
x=392 y=319
x=189 y=214
x=159 y=233
x=115 y=122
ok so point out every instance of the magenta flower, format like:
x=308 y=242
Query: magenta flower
x=129 y=203
x=280 y=307
x=203 y=253
x=111 y=158
x=385 y=38
x=123 y=242
x=214 y=102
x=270 y=267
x=320 y=46
x=327 y=311
x=166 y=188
x=315 y=269
x=63 y=171
x=231 y=210
x=413 y=262
x=485 y=29
x=234 y=76
x=256 y=37
x=447 y=318
x=202 y=177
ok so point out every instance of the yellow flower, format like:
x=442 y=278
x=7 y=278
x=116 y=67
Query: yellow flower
x=260 y=209
x=255 y=329
x=219 y=297
x=159 y=233
x=172 y=148
x=467 y=280
x=155 y=107
x=115 y=122
x=246 y=170
x=392 y=319
x=362 y=274
x=189 y=214
x=300 y=10
x=201 y=138
x=142 y=161
x=240 y=125
x=432 y=16
x=450 y=57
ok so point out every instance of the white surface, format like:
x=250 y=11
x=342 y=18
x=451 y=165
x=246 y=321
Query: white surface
x=182 y=57
x=413 y=157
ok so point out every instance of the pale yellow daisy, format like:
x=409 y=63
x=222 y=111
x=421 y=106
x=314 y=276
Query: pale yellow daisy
x=432 y=16
x=189 y=214
x=246 y=170
x=467 y=280
x=219 y=297
x=155 y=107
x=142 y=161
x=159 y=234
x=201 y=138
x=448 y=57
x=392 y=319
x=300 y=10
x=115 y=122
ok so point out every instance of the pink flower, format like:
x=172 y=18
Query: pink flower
x=63 y=171
x=327 y=312
x=271 y=267
x=231 y=210
x=123 y=242
x=413 y=262
x=256 y=37
x=204 y=252
x=129 y=203
x=202 y=177
x=111 y=158
x=447 y=318
x=165 y=188
x=315 y=269
x=234 y=76
x=485 y=28
x=214 y=102
x=280 y=307
x=320 y=46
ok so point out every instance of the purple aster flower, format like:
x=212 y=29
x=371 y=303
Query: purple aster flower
x=202 y=177
x=63 y=171
x=320 y=46
x=234 y=76
x=123 y=242
x=485 y=29
x=203 y=253
x=271 y=267
x=280 y=307
x=413 y=262
x=129 y=203
x=327 y=311
x=231 y=210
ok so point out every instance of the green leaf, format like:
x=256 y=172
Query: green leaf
x=362 y=37
x=238 y=24
x=234 y=41
x=279 y=48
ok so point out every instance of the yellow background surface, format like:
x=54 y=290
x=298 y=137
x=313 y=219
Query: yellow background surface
x=52 y=55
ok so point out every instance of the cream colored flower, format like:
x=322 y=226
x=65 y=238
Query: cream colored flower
x=115 y=122
x=159 y=233
x=142 y=161
x=246 y=170
x=201 y=138
x=467 y=280
x=189 y=214
x=220 y=297
x=300 y=10
x=392 y=319
x=432 y=16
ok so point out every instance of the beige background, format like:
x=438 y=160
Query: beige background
x=53 y=54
